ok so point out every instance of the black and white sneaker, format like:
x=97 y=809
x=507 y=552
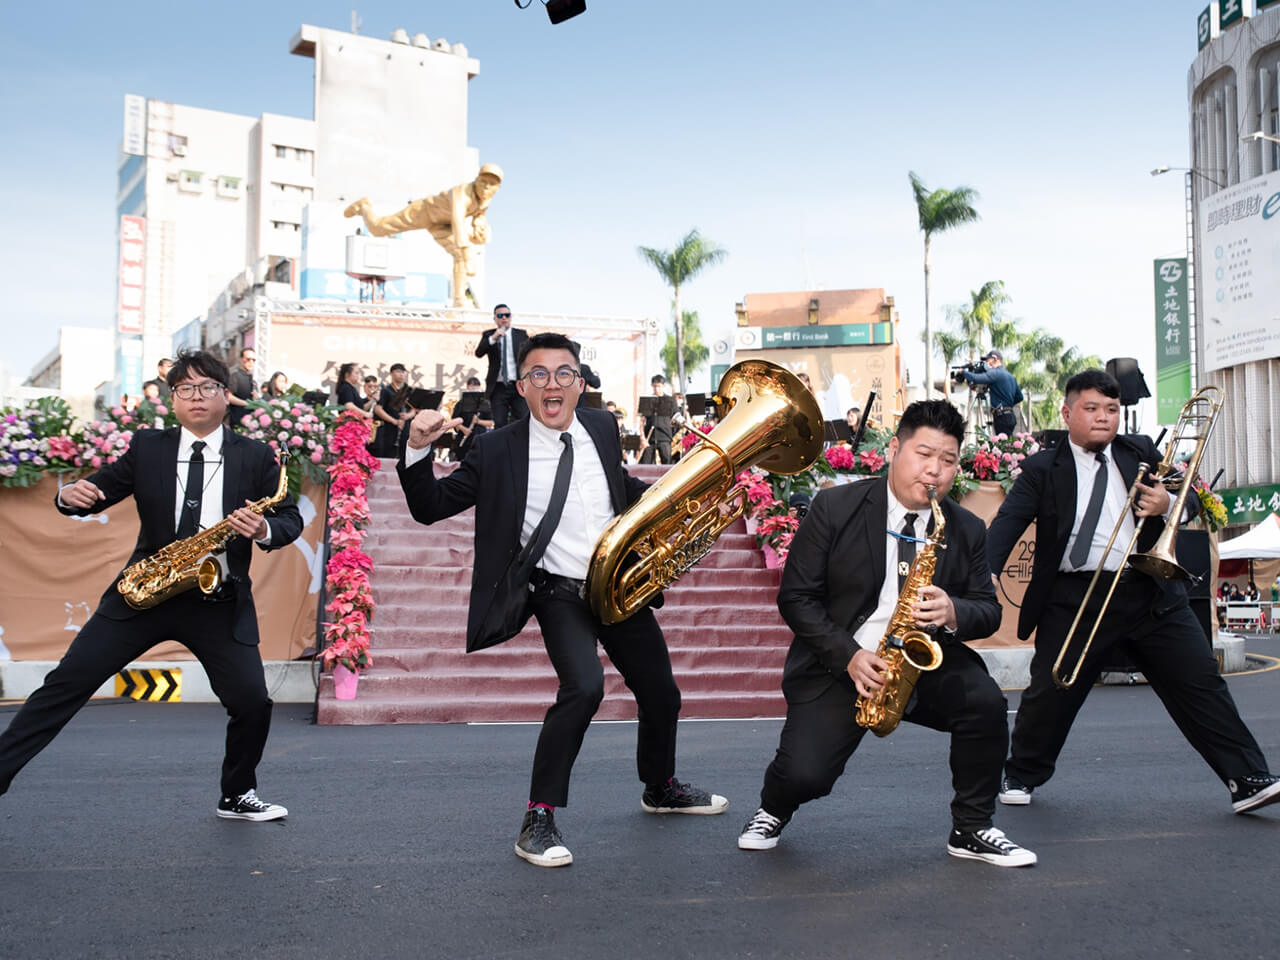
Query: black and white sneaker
x=1014 y=792
x=1253 y=791
x=249 y=806
x=989 y=845
x=761 y=832
x=677 y=797
x=540 y=842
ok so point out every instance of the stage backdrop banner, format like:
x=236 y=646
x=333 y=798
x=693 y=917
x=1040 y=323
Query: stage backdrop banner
x=54 y=569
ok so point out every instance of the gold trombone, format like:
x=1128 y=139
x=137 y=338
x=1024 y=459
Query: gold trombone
x=1195 y=421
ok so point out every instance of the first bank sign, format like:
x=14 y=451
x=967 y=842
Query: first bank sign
x=1222 y=14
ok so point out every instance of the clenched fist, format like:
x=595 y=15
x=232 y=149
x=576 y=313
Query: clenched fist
x=428 y=427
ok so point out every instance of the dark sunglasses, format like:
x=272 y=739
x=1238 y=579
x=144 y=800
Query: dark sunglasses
x=502 y=316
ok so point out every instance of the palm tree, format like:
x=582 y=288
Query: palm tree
x=948 y=345
x=695 y=351
x=677 y=267
x=939 y=210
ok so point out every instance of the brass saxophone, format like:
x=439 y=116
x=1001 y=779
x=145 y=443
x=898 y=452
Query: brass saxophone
x=906 y=648
x=187 y=563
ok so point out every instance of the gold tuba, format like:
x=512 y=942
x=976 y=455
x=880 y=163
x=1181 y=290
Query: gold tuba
x=767 y=418
x=906 y=648
x=189 y=562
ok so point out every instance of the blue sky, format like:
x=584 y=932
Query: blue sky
x=783 y=132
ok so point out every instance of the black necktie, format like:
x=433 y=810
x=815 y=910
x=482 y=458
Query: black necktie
x=1084 y=539
x=555 y=506
x=906 y=549
x=189 y=519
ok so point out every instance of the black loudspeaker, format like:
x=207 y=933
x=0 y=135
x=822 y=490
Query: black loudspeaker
x=1192 y=550
x=1133 y=386
x=561 y=10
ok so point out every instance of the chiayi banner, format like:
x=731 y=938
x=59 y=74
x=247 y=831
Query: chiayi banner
x=1240 y=279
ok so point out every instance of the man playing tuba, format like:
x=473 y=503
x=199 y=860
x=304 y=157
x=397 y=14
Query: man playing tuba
x=839 y=606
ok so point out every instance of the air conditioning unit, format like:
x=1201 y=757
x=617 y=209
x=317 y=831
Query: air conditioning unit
x=179 y=150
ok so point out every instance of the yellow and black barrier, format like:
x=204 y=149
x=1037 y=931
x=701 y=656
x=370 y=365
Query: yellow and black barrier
x=162 y=686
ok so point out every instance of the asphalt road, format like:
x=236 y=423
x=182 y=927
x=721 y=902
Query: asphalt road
x=399 y=845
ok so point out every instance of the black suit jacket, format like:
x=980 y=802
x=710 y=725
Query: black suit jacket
x=836 y=567
x=147 y=471
x=494 y=478
x=494 y=352
x=1046 y=492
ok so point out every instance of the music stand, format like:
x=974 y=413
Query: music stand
x=315 y=398
x=630 y=441
x=837 y=431
x=697 y=404
x=593 y=399
x=421 y=399
x=647 y=406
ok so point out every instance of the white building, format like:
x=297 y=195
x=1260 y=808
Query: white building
x=214 y=205
x=1233 y=89
x=76 y=367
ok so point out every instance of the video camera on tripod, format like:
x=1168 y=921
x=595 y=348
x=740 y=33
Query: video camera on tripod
x=974 y=366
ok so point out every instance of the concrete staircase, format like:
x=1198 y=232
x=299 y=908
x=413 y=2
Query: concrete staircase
x=727 y=641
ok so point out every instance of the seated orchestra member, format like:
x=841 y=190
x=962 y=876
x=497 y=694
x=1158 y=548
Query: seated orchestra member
x=554 y=450
x=1076 y=493
x=182 y=480
x=838 y=606
x=476 y=419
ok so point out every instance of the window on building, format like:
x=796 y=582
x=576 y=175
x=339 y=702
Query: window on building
x=230 y=187
x=177 y=145
x=191 y=181
x=281 y=151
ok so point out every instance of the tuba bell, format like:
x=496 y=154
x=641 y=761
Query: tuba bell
x=768 y=418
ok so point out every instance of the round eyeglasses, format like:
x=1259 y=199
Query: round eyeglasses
x=209 y=389
x=540 y=377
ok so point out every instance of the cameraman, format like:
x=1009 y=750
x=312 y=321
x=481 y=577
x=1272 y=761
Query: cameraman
x=1004 y=390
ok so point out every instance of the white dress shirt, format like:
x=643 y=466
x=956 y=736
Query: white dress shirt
x=868 y=636
x=587 y=508
x=211 y=496
x=1112 y=506
x=503 y=345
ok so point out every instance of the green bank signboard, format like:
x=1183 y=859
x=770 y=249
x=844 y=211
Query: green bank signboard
x=1173 y=339
x=834 y=335
x=1251 y=504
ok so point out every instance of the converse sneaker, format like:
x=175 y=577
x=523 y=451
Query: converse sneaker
x=1014 y=792
x=990 y=845
x=540 y=842
x=1253 y=791
x=761 y=832
x=249 y=806
x=677 y=797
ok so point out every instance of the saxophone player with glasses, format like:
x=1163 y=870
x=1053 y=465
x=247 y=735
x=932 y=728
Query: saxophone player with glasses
x=869 y=579
x=198 y=477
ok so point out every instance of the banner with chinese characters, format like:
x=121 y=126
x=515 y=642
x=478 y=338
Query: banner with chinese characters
x=1239 y=302
x=1173 y=341
x=1251 y=504
x=133 y=238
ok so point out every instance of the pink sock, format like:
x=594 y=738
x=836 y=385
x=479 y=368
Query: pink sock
x=545 y=806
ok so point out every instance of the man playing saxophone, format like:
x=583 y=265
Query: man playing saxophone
x=182 y=481
x=849 y=562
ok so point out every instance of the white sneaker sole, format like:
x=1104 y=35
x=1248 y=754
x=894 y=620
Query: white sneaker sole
x=1024 y=859
x=1263 y=797
x=1016 y=799
x=718 y=804
x=549 y=859
x=278 y=814
x=757 y=843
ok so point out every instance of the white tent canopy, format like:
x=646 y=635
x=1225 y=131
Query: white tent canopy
x=1262 y=542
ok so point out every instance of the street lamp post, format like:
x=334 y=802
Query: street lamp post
x=1192 y=303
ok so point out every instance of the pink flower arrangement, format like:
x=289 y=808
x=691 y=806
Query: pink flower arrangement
x=691 y=437
x=840 y=458
x=995 y=458
x=347 y=574
x=872 y=461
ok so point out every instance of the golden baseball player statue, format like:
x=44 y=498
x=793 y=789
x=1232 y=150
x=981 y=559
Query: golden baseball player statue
x=455 y=217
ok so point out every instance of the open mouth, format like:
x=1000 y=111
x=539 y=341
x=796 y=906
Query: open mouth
x=553 y=404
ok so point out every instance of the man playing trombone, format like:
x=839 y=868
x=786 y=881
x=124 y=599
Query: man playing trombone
x=1077 y=494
